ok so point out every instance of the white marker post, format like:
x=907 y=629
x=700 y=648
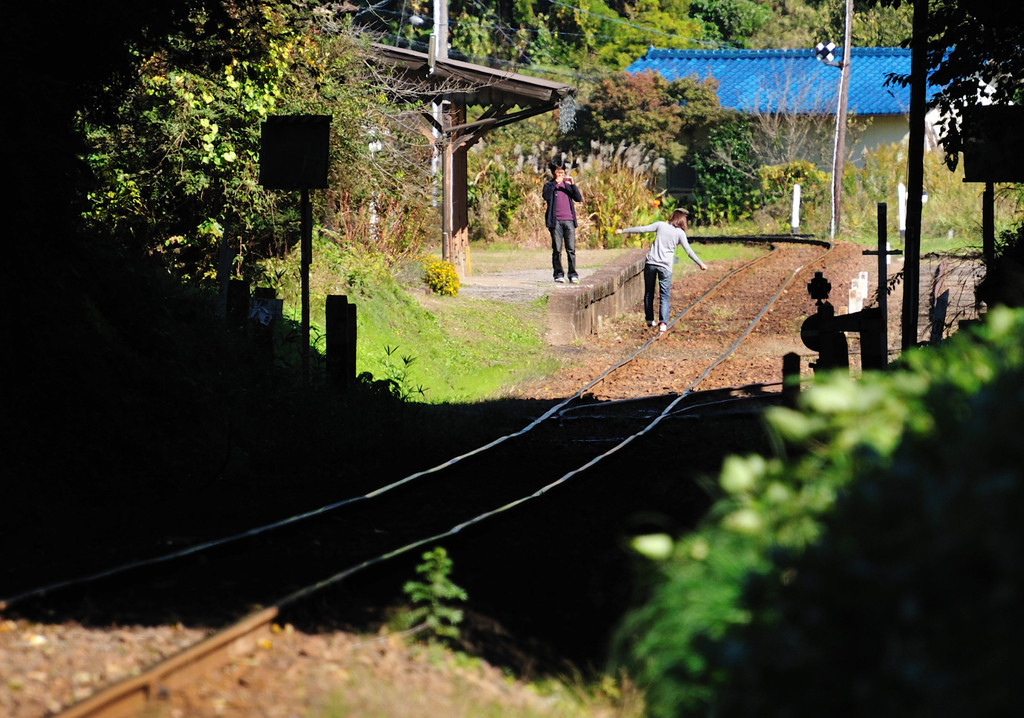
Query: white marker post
x=901 y=208
x=794 y=222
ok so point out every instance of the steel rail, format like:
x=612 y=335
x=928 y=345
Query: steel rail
x=557 y=409
x=131 y=695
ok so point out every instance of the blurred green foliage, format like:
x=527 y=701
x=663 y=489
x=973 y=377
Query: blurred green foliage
x=872 y=566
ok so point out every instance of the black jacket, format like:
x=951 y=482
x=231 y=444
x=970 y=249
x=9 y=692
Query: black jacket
x=550 y=188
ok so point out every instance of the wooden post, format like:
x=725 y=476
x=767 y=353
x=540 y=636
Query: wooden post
x=350 y=342
x=459 y=209
x=882 y=360
x=790 y=379
x=883 y=281
x=237 y=311
x=988 y=226
x=915 y=174
x=341 y=339
x=305 y=260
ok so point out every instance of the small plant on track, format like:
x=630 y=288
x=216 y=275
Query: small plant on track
x=431 y=596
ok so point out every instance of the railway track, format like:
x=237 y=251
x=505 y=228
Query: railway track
x=472 y=497
x=708 y=333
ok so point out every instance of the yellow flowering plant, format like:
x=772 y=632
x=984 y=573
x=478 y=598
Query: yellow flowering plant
x=441 y=277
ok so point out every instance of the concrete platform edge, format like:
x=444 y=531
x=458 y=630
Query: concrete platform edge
x=577 y=311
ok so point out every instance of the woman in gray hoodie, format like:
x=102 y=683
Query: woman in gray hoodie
x=660 y=260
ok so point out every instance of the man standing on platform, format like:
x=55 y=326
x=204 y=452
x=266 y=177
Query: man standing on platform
x=561 y=193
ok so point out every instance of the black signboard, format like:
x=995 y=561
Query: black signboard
x=294 y=152
x=994 y=144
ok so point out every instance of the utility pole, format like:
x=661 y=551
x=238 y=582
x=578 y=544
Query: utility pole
x=440 y=35
x=439 y=46
x=915 y=175
x=441 y=162
x=839 y=150
x=825 y=54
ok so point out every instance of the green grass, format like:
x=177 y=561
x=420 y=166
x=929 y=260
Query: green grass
x=446 y=349
x=438 y=349
x=461 y=350
x=452 y=685
x=951 y=219
x=717 y=252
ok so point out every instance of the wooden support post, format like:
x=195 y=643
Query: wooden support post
x=341 y=339
x=459 y=202
x=883 y=280
x=915 y=175
x=883 y=253
x=790 y=379
x=447 y=232
x=237 y=312
x=305 y=260
x=350 y=342
x=988 y=225
x=873 y=352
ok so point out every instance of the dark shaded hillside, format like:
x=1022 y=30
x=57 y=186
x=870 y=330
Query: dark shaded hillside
x=130 y=402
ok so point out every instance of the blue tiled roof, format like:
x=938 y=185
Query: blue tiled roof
x=792 y=81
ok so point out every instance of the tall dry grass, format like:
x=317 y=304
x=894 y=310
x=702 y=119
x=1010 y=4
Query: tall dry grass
x=618 y=184
x=951 y=215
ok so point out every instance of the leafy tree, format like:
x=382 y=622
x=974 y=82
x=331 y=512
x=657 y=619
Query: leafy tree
x=582 y=34
x=178 y=162
x=802 y=23
x=726 y=167
x=184 y=148
x=77 y=70
x=969 y=43
x=794 y=23
x=730 y=21
x=617 y=41
x=670 y=118
x=880 y=26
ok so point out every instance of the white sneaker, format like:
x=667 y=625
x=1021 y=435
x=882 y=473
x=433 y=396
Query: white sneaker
x=560 y=280
x=663 y=327
x=574 y=280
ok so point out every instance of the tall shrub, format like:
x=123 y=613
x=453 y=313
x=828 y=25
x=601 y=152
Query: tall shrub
x=669 y=118
x=951 y=217
x=177 y=166
x=726 y=170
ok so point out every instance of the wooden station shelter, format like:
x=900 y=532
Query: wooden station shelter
x=506 y=97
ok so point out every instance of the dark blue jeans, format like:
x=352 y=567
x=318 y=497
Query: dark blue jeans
x=564 y=232
x=664 y=279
